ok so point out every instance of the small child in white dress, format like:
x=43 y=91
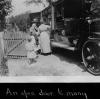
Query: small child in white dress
x=31 y=48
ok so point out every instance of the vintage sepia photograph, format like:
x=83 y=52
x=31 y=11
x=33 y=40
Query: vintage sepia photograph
x=50 y=38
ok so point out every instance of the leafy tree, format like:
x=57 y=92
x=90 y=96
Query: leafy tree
x=5 y=9
x=22 y=21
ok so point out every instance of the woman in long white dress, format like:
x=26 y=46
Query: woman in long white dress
x=45 y=39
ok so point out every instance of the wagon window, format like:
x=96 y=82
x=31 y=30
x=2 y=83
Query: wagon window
x=59 y=11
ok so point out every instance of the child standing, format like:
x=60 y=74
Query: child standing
x=31 y=48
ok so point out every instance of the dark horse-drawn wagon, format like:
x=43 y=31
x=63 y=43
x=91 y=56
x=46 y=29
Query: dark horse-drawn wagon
x=76 y=27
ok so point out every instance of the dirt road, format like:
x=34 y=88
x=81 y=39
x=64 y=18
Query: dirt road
x=53 y=65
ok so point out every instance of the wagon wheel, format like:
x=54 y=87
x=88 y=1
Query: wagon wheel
x=91 y=57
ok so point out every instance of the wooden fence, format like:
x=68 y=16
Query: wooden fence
x=9 y=42
x=12 y=40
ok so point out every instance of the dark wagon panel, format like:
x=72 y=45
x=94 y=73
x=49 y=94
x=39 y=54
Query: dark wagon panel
x=77 y=28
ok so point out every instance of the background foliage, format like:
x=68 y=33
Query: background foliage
x=5 y=9
x=22 y=21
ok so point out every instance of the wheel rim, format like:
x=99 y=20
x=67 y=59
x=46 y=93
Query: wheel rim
x=91 y=57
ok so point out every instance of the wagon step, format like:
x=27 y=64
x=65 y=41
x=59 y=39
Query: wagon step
x=62 y=45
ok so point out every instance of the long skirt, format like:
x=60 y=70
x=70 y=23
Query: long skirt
x=45 y=42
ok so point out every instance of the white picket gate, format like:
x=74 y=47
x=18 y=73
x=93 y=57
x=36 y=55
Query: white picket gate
x=13 y=40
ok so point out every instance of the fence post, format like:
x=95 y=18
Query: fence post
x=52 y=15
x=1 y=47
